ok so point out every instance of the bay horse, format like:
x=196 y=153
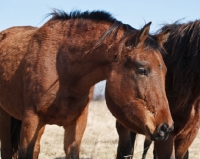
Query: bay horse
x=183 y=92
x=47 y=76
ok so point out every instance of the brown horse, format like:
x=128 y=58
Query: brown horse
x=183 y=91
x=47 y=76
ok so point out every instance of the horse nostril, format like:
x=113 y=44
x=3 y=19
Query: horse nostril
x=163 y=129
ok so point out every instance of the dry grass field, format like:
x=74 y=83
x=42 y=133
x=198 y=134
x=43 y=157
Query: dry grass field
x=100 y=138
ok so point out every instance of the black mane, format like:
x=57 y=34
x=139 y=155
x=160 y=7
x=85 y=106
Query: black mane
x=185 y=36
x=93 y=15
x=99 y=16
x=183 y=62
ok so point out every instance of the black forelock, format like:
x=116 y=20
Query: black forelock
x=152 y=43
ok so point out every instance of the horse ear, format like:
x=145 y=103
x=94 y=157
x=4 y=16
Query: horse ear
x=163 y=36
x=141 y=37
x=144 y=33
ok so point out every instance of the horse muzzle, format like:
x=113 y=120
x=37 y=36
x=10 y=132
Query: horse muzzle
x=162 y=132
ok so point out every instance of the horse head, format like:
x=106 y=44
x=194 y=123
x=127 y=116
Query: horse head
x=135 y=90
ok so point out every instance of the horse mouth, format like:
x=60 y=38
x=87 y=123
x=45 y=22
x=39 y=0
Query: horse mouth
x=157 y=138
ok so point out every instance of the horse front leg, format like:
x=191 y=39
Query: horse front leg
x=165 y=148
x=37 y=144
x=6 y=147
x=73 y=135
x=126 y=142
x=30 y=129
x=182 y=145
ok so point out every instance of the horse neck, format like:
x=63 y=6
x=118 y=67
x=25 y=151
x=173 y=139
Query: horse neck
x=88 y=62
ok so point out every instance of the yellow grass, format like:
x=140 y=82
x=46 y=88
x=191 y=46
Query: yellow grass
x=100 y=138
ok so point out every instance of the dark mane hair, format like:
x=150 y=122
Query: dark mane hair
x=93 y=15
x=97 y=16
x=103 y=16
x=183 y=61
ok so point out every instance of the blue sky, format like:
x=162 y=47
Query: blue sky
x=133 y=12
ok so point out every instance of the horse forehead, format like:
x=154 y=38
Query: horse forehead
x=150 y=55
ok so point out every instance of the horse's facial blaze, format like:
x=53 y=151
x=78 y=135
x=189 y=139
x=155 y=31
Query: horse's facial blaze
x=137 y=87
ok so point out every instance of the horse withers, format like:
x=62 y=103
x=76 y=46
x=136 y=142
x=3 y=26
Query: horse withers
x=47 y=76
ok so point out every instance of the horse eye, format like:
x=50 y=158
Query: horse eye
x=143 y=71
